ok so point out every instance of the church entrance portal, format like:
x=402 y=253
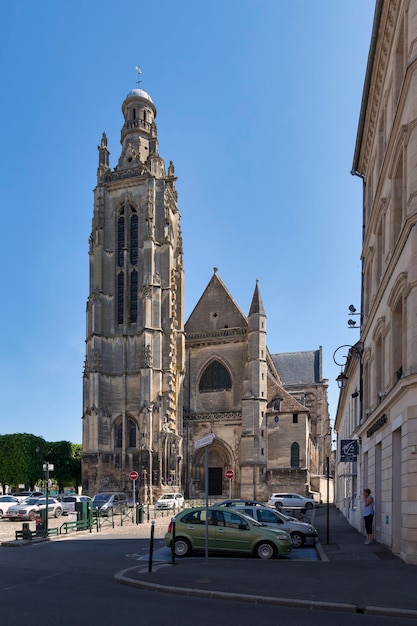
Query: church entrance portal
x=215 y=481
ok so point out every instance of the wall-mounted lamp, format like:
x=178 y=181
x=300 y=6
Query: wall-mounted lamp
x=342 y=380
x=354 y=351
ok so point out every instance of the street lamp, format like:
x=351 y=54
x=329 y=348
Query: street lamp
x=341 y=360
x=46 y=467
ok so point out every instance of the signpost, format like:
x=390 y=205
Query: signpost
x=229 y=475
x=134 y=476
x=204 y=442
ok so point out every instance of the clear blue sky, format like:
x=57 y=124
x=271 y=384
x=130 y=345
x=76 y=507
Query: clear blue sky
x=258 y=105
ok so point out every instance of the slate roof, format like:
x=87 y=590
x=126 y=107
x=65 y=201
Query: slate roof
x=299 y=368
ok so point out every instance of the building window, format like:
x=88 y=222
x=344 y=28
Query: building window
x=397 y=202
x=397 y=340
x=132 y=434
x=118 y=443
x=120 y=297
x=134 y=239
x=295 y=418
x=120 y=241
x=215 y=378
x=133 y=297
x=295 y=455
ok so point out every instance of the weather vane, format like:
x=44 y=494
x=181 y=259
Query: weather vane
x=139 y=71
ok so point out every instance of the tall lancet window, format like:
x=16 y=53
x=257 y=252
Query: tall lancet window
x=133 y=297
x=120 y=297
x=295 y=455
x=132 y=434
x=127 y=261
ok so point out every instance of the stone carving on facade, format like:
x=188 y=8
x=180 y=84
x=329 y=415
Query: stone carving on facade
x=148 y=356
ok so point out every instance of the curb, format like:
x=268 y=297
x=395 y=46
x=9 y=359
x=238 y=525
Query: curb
x=123 y=579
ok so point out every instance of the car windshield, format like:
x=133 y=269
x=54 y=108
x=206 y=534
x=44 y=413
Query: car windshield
x=31 y=501
x=167 y=496
x=102 y=497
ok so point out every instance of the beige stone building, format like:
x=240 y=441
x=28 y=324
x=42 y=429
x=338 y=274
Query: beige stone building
x=378 y=406
x=152 y=386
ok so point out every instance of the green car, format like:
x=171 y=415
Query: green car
x=228 y=531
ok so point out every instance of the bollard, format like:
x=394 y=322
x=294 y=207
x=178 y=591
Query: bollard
x=173 y=541
x=26 y=532
x=151 y=546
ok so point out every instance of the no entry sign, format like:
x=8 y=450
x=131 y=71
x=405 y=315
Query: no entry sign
x=133 y=475
x=229 y=474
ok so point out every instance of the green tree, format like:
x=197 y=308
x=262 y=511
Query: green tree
x=21 y=459
x=66 y=458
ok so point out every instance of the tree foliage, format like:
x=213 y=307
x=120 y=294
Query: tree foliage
x=22 y=457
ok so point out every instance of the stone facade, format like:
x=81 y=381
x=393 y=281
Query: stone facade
x=132 y=407
x=152 y=386
x=378 y=407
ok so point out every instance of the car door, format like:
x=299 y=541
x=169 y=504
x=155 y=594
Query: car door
x=195 y=527
x=270 y=518
x=232 y=532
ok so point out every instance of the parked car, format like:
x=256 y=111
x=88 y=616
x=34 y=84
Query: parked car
x=110 y=502
x=68 y=502
x=291 y=501
x=31 y=507
x=241 y=502
x=298 y=531
x=22 y=495
x=170 y=501
x=228 y=531
x=6 y=502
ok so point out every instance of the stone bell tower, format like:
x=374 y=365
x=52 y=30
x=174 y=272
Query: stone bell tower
x=132 y=409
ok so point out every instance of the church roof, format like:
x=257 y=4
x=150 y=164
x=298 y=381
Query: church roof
x=288 y=404
x=216 y=309
x=299 y=368
x=256 y=304
x=139 y=93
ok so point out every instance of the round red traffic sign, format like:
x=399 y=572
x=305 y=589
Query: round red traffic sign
x=133 y=475
x=229 y=474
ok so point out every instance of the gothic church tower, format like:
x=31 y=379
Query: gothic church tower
x=132 y=406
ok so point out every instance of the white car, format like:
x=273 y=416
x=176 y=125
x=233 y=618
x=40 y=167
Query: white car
x=31 y=507
x=170 y=501
x=5 y=503
x=291 y=501
x=68 y=502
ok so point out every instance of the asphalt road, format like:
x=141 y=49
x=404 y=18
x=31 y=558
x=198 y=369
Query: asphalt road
x=71 y=581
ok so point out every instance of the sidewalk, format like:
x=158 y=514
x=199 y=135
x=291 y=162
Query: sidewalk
x=351 y=576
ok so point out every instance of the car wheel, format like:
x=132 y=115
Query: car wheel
x=1 y=513
x=58 y=512
x=278 y=505
x=265 y=550
x=309 y=505
x=32 y=515
x=182 y=547
x=298 y=540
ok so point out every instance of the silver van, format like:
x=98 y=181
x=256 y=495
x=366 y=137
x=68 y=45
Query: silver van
x=110 y=502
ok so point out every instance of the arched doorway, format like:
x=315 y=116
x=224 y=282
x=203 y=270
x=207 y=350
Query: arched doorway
x=219 y=460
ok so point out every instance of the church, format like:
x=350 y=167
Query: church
x=154 y=385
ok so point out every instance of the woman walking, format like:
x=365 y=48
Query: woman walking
x=368 y=514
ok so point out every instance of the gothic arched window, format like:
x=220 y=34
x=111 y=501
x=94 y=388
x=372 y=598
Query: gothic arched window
x=120 y=241
x=120 y=297
x=215 y=378
x=134 y=238
x=133 y=297
x=132 y=434
x=118 y=439
x=295 y=455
